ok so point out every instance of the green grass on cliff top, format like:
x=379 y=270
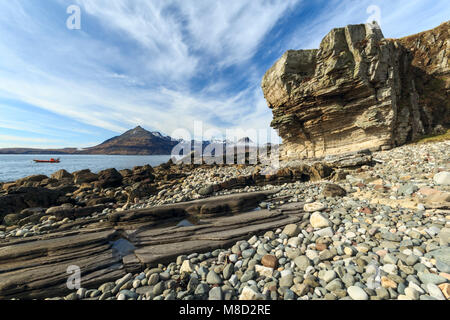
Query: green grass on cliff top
x=434 y=138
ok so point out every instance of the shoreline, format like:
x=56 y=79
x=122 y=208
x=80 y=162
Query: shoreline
x=71 y=166
x=369 y=219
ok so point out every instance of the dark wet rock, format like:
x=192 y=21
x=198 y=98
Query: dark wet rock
x=206 y=191
x=31 y=181
x=333 y=190
x=84 y=176
x=62 y=175
x=27 y=197
x=109 y=178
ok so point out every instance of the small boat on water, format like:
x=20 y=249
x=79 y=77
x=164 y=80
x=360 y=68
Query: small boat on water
x=48 y=161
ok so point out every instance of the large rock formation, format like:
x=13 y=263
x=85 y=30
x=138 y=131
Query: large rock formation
x=360 y=91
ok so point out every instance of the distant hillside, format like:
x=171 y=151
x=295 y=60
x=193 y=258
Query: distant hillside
x=39 y=151
x=137 y=141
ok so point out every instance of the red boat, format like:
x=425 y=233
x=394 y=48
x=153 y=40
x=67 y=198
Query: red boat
x=48 y=161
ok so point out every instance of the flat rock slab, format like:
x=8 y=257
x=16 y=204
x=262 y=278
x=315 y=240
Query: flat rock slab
x=218 y=234
x=208 y=207
x=37 y=267
x=292 y=208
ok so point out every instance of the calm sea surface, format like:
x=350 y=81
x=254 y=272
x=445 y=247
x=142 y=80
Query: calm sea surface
x=13 y=167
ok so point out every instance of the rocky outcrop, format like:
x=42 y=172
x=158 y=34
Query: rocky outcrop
x=84 y=176
x=109 y=178
x=62 y=175
x=82 y=189
x=431 y=68
x=37 y=267
x=359 y=91
x=28 y=197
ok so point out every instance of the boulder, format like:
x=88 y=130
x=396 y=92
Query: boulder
x=11 y=219
x=109 y=178
x=317 y=220
x=206 y=191
x=333 y=190
x=84 y=176
x=62 y=175
x=442 y=178
x=438 y=199
x=31 y=181
x=9 y=186
x=140 y=190
x=139 y=174
x=146 y=171
x=28 y=197
x=126 y=173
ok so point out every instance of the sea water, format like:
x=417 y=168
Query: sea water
x=13 y=167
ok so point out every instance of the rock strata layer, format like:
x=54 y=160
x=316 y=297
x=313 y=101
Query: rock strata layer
x=36 y=267
x=360 y=91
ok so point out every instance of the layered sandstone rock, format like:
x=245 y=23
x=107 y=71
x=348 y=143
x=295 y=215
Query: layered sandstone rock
x=37 y=267
x=359 y=91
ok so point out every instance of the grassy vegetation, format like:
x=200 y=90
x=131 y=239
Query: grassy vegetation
x=434 y=138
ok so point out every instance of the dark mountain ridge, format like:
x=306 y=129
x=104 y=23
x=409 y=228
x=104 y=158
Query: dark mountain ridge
x=137 y=141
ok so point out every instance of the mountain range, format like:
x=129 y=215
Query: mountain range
x=137 y=141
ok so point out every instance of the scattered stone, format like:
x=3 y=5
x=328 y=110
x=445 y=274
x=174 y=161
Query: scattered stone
x=356 y=293
x=291 y=230
x=435 y=291
x=187 y=267
x=249 y=293
x=442 y=178
x=269 y=261
x=302 y=262
x=427 y=278
x=445 y=288
x=213 y=278
x=333 y=190
x=388 y=283
x=264 y=271
x=317 y=220
x=315 y=206
x=300 y=289
x=228 y=271
x=215 y=294
x=412 y=293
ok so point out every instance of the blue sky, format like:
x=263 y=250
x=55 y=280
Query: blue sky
x=161 y=64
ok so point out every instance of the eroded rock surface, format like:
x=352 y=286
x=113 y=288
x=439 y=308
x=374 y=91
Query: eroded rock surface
x=36 y=267
x=360 y=91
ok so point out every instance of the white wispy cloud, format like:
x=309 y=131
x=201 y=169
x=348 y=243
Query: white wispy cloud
x=231 y=31
x=165 y=64
x=170 y=40
x=27 y=139
x=397 y=19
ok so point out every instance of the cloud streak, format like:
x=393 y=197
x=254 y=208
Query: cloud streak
x=161 y=64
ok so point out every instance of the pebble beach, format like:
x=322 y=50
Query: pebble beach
x=375 y=235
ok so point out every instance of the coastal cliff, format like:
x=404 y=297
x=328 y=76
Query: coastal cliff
x=360 y=91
